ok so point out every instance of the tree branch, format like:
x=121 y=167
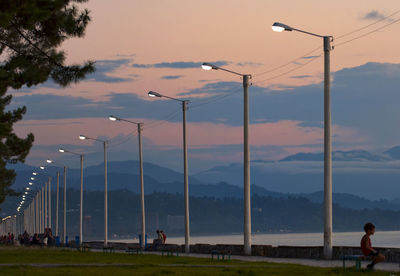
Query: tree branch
x=35 y=46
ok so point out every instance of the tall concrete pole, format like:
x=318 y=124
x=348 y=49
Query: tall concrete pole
x=105 y=196
x=139 y=126
x=37 y=213
x=81 y=205
x=33 y=217
x=49 y=195
x=42 y=210
x=46 y=215
x=246 y=164
x=31 y=222
x=65 y=206
x=30 y=219
x=186 y=183
x=24 y=220
x=57 y=200
x=327 y=152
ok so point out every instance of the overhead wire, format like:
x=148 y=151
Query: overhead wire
x=288 y=63
x=155 y=121
x=217 y=98
x=289 y=71
x=369 y=25
x=336 y=38
x=114 y=142
x=366 y=34
x=163 y=121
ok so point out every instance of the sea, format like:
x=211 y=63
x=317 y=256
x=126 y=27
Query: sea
x=380 y=239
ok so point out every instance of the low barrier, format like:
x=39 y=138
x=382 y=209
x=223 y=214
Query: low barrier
x=301 y=252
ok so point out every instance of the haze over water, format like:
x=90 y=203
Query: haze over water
x=380 y=239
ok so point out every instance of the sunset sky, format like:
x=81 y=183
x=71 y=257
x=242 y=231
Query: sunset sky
x=159 y=45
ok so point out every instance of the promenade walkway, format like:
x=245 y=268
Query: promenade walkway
x=393 y=267
x=386 y=266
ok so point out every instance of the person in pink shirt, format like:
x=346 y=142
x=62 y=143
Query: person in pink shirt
x=366 y=246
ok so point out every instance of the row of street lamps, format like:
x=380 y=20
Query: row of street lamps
x=279 y=27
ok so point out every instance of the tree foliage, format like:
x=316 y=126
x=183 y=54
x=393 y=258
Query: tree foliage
x=31 y=32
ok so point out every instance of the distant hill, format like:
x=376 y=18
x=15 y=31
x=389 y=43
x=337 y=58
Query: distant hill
x=353 y=155
x=353 y=202
x=353 y=182
x=158 y=173
x=354 y=172
x=394 y=152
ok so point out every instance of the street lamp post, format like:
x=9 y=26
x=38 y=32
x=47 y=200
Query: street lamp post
x=246 y=156
x=57 y=200
x=83 y=137
x=42 y=209
x=279 y=27
x=81 y=195
x=49 y=197
x=65 y=207
x=46 y=214
x=37 y=213
x=185 y=166
x=139 y=128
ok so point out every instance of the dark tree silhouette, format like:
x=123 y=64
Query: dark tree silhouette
x=31 y=33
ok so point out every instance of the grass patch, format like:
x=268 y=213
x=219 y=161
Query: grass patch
x=144 y=265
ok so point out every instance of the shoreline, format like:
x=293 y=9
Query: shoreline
x=380 y=239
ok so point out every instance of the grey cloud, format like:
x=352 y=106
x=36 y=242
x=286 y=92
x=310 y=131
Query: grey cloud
x=373 y=15
x=179 y=64
x=310 y=57
x=172 y=77
x=125 y=55
x=301 y=77
x=364 y=98
x=104 y=67
x=253 y=64
x=214 y=89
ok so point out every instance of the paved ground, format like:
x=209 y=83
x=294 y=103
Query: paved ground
x=385 y=266
x=393 y=267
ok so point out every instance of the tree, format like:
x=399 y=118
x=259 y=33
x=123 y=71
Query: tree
x=31 y=32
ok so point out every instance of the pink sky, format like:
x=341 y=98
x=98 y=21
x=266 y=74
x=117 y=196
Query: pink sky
x=236 y=31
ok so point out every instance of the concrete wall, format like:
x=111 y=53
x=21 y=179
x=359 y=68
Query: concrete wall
x=304 y=252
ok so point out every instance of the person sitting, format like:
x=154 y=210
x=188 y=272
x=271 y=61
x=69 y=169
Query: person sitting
x=35 y=239
x=158 y=242
x=25 y=238
x=366 y=246
x=164 y=237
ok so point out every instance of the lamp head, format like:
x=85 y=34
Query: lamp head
x=82 y=137
x=61 y=150
x=42 y=168
x=154 y=94
x=49 y=161
x=32 y=178
x=279 y=27
x=113 y=118
x=30 y=183
x=34 y=173
x=27 y=188
x=208 y=66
